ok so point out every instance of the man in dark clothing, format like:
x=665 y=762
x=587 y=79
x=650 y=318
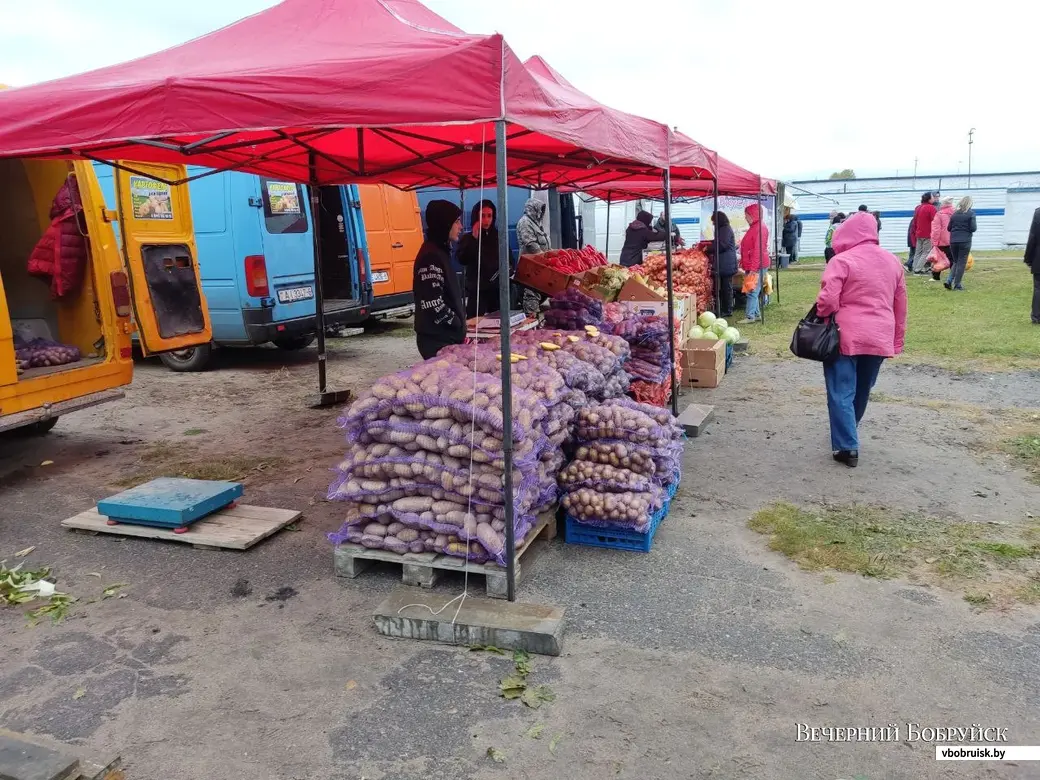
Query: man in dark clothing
x=638 y=236
x=478 y=254
x=440 y=318
x=792 y=232
x=662 y=227
x=1032 y=259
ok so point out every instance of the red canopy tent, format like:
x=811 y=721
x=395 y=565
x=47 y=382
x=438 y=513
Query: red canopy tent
x=336 y=91
x=324 y=91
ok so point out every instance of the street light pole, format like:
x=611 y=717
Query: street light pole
x=970 y=142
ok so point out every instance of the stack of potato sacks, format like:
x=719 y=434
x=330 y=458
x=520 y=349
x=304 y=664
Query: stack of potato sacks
x=626 y=465
x=424 y=472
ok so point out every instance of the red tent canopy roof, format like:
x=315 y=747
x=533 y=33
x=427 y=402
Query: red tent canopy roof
x=733 y=180
x=365 y=90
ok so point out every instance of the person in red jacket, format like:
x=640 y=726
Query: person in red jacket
x=754 y=258
x=923 y=217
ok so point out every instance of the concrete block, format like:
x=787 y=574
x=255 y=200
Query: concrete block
x=23 y=760
x=695 y=418
x=413 y=614
x=423 y=575
x=741 y=346
x=348 y=565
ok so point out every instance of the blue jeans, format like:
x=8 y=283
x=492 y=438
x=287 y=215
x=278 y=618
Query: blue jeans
x=752 y=309
x=849 y=380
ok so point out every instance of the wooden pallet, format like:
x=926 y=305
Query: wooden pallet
x=235 y=528
x=424 y=569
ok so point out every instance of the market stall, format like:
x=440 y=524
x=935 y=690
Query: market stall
x=731 y=181
x=302 y=108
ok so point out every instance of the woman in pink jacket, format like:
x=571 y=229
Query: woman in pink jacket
x=863 y=287
x=941 y=232
x=754 y=258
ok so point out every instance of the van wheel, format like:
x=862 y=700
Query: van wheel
x=191 y=359
x=41 y=428
x=294 y=343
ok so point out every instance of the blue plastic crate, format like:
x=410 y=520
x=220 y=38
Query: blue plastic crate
x=729 y=356
x=613 y=538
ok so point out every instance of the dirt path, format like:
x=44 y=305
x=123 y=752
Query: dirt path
x=695 y=661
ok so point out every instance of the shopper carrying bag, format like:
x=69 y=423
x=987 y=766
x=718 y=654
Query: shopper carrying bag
x=864 y=291
x=816 y=338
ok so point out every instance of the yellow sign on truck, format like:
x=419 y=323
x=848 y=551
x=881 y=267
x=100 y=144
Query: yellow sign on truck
x=67 y=346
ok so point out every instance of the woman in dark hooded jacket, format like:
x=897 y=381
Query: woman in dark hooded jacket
x=478 y=254
x=638 y=236
x=727 y=262
x=440 y=318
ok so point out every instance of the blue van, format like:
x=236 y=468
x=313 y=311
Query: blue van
x=255 y=242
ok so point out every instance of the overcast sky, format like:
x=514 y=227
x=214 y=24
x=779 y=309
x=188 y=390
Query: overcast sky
x=789 y=89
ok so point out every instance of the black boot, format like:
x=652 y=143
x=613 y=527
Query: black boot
x=849 y=457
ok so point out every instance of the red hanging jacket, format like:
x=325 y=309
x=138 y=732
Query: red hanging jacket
x=61 y=253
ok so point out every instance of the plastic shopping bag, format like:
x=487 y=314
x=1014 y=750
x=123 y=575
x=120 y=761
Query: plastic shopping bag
x=938 y=259
x=971 y=262
x=767 y=285
x=750 y=282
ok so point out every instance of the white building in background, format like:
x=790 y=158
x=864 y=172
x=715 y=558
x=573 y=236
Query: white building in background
x=594 y=215
x=1004 y=205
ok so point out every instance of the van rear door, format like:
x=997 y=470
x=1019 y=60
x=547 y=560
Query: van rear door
x=377 y=230
x=161 y=257
x=406 y=236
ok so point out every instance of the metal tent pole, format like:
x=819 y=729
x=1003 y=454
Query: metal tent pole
x=671 y=294
x=761 y=248
x=507 y=391
x=715 y=241
x=606 y=250
x=325 y=396
x=778 y=198
x=466 y=227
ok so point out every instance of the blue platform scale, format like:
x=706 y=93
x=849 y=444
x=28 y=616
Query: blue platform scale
x=169 y=502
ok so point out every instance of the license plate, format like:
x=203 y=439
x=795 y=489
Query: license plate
x=380 y=276
x=292 y=294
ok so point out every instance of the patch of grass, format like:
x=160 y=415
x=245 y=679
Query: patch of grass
x=998 y=293
x=978 y=599
x=195 y=431
x=166 y=460
x=878 y=542
x=1025 y=450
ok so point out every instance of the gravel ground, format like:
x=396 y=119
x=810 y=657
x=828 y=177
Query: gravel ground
x=694 y=661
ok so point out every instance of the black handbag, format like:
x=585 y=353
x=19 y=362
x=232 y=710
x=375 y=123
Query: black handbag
x=816 y=337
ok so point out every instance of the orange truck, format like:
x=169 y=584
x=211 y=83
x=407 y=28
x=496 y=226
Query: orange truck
x=151 y=283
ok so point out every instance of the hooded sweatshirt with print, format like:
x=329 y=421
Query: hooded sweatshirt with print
x=440 y=318
x=529 y=232
x=864 y=287
x=754 y=246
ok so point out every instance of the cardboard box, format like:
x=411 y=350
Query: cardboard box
x=637 y=291
x=532 y=273
x=703 y=377
x=589 y=283
x=684 y=309
x=704 y=354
